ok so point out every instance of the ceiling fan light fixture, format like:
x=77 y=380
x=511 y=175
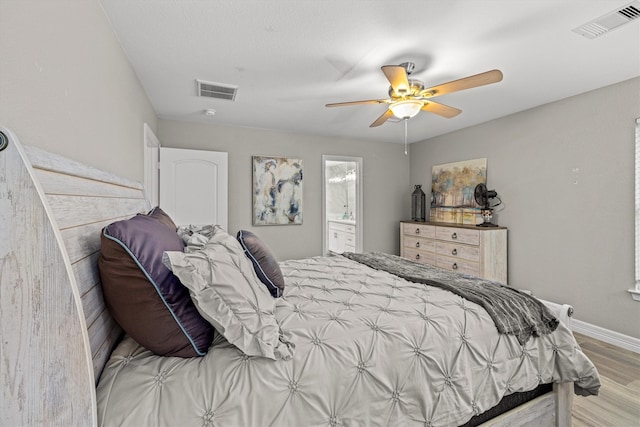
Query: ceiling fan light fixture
x=406 y=109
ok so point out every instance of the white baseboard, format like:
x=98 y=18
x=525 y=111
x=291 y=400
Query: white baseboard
x=606 y=335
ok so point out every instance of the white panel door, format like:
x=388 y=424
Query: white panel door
x=193 y=186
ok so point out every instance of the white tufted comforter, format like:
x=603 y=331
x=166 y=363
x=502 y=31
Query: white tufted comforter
x=371 y=350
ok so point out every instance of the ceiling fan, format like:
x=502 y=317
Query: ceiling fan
x=408 y=96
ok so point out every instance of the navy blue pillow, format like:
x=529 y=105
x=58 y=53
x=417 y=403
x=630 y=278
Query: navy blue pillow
x=264 y=263
x=143 y=295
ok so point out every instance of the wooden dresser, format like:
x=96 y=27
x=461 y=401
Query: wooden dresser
x=477 y=251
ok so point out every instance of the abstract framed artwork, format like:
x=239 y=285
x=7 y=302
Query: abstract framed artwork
x=277 y=190
x=452 y=187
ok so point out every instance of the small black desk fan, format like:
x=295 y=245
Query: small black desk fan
x=483 y=196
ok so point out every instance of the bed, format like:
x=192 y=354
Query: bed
x=354 y=344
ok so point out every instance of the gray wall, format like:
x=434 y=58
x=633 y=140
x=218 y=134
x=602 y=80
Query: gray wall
x=385 y=182
x=66 y=85
x=565 y=173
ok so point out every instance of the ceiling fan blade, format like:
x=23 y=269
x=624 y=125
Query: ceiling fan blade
x=369 y=101
x=383 y=118
x=481 y=79
x=440 y=109
x=397 y=76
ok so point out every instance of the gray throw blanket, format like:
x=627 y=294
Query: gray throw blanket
x=512 y=311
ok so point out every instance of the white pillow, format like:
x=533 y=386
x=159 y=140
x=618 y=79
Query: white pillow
x=227 y=293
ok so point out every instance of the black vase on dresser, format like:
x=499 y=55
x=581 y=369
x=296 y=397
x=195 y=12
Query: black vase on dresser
x=418 y=208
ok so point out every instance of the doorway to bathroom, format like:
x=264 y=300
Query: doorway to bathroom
x=342 y=204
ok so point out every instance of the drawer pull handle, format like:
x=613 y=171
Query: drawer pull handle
x=454 y=266
x=417 y=244
x=417 y=256
x=335 y=234
x=454 y=252
x=417 y=231
x=454 y=236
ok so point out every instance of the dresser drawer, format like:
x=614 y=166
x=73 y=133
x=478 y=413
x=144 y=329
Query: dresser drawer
x=338 y=226
x=419 y=256
x=455 y=264
x=419 y=243
x=458 y=251
x=417 y=229
x=462 y=235
x=349 y=239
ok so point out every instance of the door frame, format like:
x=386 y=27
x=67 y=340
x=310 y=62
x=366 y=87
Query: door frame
x=359 y=205
x=151 y=166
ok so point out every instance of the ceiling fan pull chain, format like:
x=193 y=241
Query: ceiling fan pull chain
x=405 y=136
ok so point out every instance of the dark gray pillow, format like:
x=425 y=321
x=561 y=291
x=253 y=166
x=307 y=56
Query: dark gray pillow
x=265 y=265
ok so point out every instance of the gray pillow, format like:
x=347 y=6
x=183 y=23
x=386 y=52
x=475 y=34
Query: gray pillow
x=227 y=293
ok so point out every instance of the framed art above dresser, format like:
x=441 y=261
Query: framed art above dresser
x=468 y=249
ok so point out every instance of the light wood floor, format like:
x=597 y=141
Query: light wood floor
x=618 y=404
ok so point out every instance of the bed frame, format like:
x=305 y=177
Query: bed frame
x=56 y=333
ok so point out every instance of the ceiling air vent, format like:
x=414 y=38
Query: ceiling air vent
x=611 y=20
x=216 y=90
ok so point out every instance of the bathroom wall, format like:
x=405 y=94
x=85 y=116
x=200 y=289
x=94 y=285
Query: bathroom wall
x=341 y=189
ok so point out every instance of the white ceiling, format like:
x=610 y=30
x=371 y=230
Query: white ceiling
x=291 y=57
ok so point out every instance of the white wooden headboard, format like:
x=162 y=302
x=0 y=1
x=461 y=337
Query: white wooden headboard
x=56 y=333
